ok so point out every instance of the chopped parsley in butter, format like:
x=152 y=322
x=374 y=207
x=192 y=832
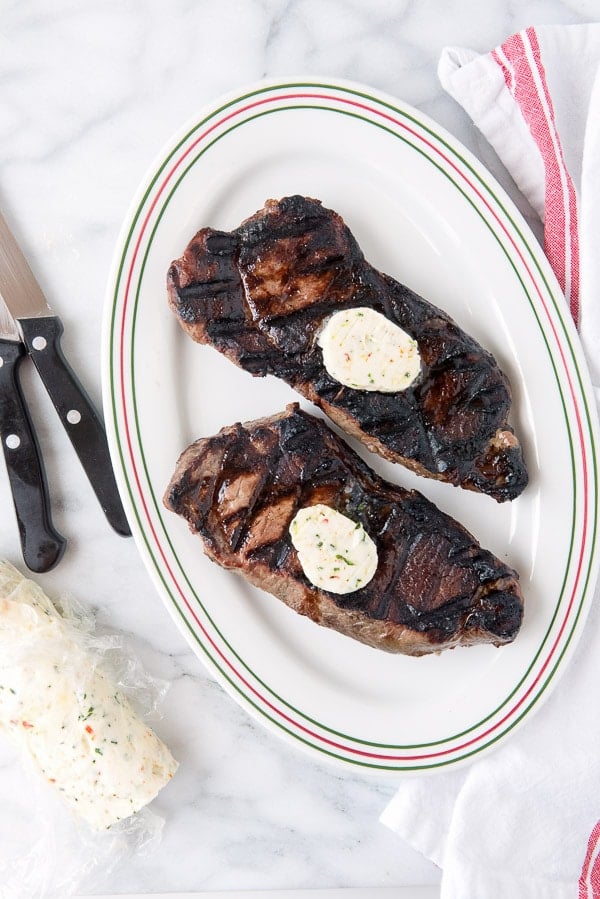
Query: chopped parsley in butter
x=365 y=350
x=336 y=553
x=67 y=715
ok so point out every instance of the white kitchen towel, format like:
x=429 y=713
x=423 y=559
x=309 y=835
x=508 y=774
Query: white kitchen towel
x=524 y=822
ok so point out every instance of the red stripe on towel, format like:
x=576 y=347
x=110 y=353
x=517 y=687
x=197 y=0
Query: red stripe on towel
x=508 y=78
x=525 y=78
x=589 y=880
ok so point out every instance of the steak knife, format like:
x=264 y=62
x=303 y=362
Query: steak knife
x=41 y=544
x=40 y=330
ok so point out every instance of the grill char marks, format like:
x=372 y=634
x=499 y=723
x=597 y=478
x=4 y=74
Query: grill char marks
x=260 y=295
x=434 y=587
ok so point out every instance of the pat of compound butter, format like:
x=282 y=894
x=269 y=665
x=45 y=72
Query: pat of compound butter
x=335 y=552
x=67 y=715
x=365 y=350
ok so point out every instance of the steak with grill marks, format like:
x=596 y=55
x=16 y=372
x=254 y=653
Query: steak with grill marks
x=260 y=295
x=434 y=586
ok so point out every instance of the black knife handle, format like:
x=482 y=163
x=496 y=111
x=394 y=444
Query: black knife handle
x=81 y=422
x=41 y=544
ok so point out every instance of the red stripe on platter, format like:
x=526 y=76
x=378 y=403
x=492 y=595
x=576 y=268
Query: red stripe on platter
x=462 y=175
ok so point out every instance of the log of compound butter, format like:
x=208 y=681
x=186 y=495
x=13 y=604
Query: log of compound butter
x=75 y=725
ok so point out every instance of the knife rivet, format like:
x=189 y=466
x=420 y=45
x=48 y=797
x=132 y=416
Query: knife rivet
x=13 y=441
x=39 y=343
x=73 y=417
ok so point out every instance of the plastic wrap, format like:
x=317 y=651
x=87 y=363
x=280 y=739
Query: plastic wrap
x=65 y=705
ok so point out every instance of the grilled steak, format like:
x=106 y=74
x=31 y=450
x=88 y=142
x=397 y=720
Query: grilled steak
x=434 y=586
x=260 y=294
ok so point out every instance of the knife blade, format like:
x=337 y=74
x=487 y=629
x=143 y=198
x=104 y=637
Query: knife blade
x=40 y=330
x=41 y=544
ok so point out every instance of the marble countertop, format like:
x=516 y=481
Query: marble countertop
x=89 y=93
